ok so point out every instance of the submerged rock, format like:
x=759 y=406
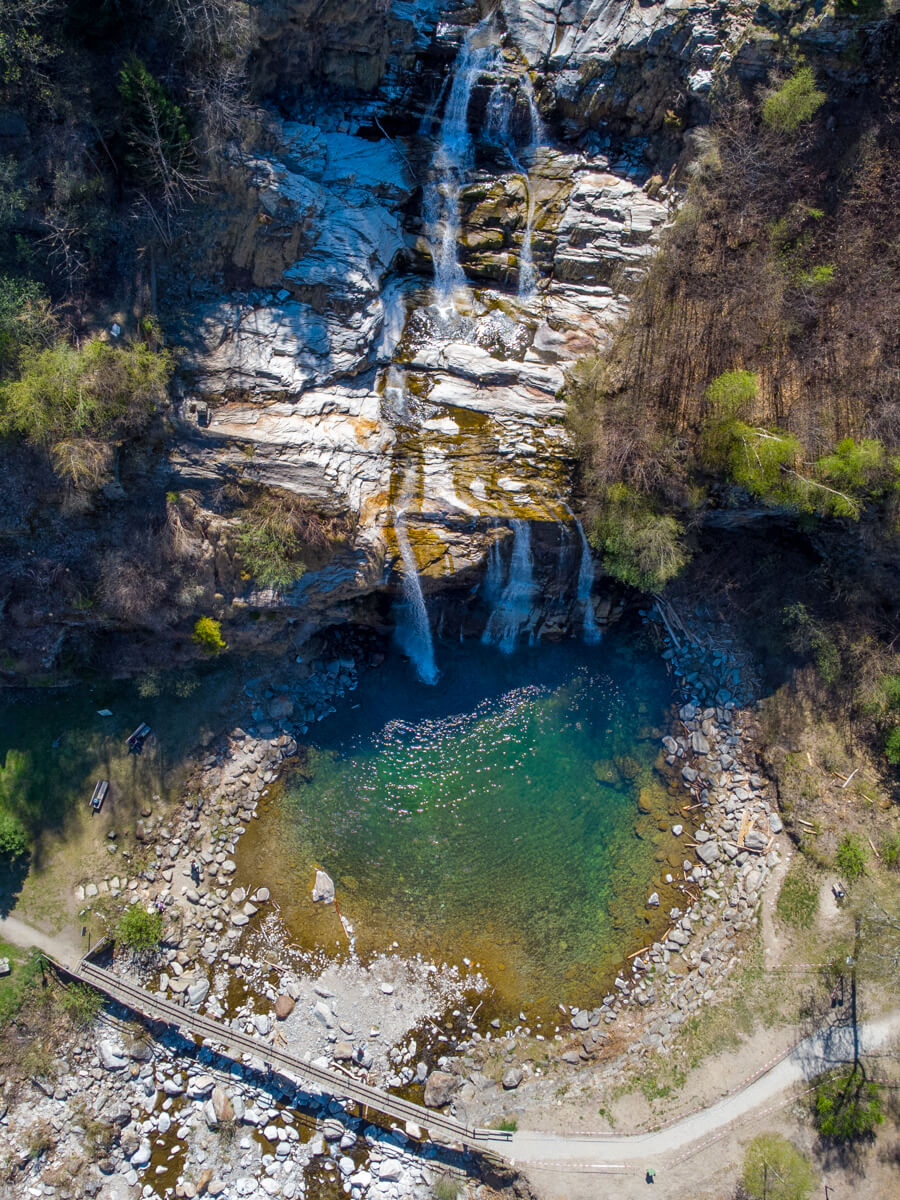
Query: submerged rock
x=323 y=888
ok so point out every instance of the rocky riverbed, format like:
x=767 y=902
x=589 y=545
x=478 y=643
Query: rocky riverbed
x=185 y=1122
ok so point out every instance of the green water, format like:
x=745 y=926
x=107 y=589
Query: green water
x=55 y=745
x=494 y=816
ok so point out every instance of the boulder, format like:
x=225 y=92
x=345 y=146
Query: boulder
x=284 y=1006
x=342 y=1052
x=200 y=1087
x=440 y=1089
x=324 y=1014
x=708 y=852
x=222 y=1105
x=197 y=992
x=110 y=1056
x=323 y=888
x=142 y=1155
x=512 y=1078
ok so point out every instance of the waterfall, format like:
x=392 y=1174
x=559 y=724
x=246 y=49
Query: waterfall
x=452 y=156
x=499 y=130
x=590 y=631
x=513 y=608
x=396 y=394
x=413 y=631
x=527 y=273
x=492 y=587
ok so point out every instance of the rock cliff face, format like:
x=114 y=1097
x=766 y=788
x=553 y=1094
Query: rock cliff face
x=436 y=211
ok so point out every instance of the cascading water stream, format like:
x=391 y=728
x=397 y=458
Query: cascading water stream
x=396 y=394
x=413 y=629
x=513 y=610
x=452 y=156
x=500 y=131
x=590 y=632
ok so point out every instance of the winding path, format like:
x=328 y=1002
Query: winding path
x=827 y=1047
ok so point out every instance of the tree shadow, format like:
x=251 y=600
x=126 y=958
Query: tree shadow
x=12 y=879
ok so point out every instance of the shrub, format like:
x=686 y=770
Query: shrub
x=892 y=745
x=508 y=1124
x=793 y=103
x=138 y=929
x=807 y=636
x=274 y=532
x=445 y=1187
x=25 y=319
x=731 y=391
x=853 y=464
x=757 y=459
x=14 y=841
x=890 y=850
x=798 y=900
x=641 y=546
x=775 y=1170
x=847 y=1106
x=851 y=857
x=81 y=1003
x=95 y=391
x=208 y=635
x=156 y=129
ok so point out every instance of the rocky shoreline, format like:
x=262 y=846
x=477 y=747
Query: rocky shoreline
x=188 y=1124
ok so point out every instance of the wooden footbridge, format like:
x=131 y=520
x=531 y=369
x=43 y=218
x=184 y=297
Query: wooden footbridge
x=433 y=1125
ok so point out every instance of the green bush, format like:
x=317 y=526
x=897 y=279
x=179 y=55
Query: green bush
x=641 y=546
x=847 y=1106
x=892 y=745
x=852 y=464
x=807 y=636
x=156 y=129
x=755 y=458
x=25 y=319
x=775 y=1170
x=138 y=929
x=208 y=635
x=794 y=103
x=81 y=1003
x=732 y=391
x=94 y=390
x=851 y=857
x=890 y=850
x=271 y=541
x=798 y=900
x=14 y=840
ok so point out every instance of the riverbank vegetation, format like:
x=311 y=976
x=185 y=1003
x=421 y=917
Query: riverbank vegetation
x=755 y=379
x=758 y=364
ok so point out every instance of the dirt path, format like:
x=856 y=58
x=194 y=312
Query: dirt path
x=65 y=947
x=826 y=1048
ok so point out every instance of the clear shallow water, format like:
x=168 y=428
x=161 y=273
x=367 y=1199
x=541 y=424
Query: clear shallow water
x=494 y=816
